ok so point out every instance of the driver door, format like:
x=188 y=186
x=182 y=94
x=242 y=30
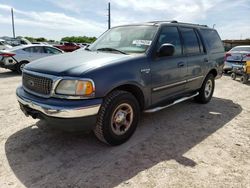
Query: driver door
x=168 y=73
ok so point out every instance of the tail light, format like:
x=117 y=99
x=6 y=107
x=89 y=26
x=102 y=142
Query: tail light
x=226 y=56
x=7 y=54
x=248 y=55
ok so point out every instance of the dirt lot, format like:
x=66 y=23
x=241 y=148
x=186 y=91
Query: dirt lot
x=188 y=145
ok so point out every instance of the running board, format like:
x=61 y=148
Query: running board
x=175 y=102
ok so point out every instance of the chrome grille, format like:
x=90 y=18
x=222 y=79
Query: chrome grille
x=37 y=84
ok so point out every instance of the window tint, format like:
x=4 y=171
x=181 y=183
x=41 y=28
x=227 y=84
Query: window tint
x=50 y=50
x=35 y=49
x=27 y=49
x=202 y=49
x=170 y=35
x=212 y=39
x=190 y=40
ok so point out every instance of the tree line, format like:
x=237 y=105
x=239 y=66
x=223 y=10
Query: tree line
x=76 y=39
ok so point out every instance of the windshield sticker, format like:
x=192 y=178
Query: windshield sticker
x=142 y=42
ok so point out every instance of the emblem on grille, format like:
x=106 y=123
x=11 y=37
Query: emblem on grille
x=31 y=83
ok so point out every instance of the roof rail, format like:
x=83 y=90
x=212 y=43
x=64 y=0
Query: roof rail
x=174 y=21
x=192 y=24
x=159 y=21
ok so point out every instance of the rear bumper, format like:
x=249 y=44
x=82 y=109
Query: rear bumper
x=231 y=65
x=8 y=63
x=61 y=111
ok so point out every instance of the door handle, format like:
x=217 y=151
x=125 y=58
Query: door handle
x=181 y=64
x=206 y=60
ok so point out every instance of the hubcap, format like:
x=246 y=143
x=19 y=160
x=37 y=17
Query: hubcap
x=122 y=119
x=22 y=66
x=208 y=88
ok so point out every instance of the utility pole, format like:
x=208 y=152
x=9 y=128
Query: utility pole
x=109 y=17
x=13 y=23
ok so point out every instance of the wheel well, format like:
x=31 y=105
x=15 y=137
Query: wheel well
x=214 y=72
x=24 y=61
x=135 y=90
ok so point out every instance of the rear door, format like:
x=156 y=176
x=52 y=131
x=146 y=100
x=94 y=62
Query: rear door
x=196 y=57
x=168 y=73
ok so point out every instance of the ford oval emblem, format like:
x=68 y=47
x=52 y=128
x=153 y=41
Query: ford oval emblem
x=31 y=83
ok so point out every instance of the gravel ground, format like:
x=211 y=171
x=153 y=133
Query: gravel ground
x=187 y=145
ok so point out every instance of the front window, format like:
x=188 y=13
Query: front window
x=126 y=39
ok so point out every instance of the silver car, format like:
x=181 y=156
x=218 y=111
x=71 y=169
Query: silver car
x=16 y=58
x=4 y=45
x=236 y=57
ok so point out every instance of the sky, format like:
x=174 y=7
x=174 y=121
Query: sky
x=54 y=19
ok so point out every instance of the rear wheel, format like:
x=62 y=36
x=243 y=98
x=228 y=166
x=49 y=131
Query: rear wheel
x=233 y=76
x=207 y=90
x=20 y=66
x=118 y=118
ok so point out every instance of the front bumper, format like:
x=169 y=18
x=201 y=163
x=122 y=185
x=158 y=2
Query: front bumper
x=57 y=108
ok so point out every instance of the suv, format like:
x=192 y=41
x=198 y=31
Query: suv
x=130 y=69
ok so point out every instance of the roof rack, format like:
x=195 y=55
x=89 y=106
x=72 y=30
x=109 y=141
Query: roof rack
x=174 y=21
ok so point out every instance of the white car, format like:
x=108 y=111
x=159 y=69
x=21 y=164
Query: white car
x=17 y=57
x=4 y=45
x=236 y=57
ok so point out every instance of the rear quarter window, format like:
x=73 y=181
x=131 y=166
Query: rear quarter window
x=212 y=39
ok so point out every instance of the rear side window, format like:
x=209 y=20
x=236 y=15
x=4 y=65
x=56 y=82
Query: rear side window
x=170 y=35
x=191 y=41
x=35 y=49
x=50 y=50
x=213 y=40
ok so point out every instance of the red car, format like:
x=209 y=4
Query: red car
x=67 y=46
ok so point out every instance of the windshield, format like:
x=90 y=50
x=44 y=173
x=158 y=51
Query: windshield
x=245 y=48
x=126 y=39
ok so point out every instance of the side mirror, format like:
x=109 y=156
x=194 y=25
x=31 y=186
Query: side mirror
x=166 y=50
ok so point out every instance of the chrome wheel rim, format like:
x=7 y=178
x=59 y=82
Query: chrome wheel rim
x=122 y=119
x=208 y=88
x=22 y=66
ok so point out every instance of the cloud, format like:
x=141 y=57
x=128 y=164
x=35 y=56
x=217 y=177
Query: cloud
x=52 y=21
x=90 y=17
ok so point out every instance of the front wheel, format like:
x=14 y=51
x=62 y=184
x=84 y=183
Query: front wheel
x=244 y=79
x=207 y=90
x=117 y=118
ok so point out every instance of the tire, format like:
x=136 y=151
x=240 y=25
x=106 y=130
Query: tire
x=244 y=79
x=111 y=117
x=20 y=66
x=233 y=76
x=206 y=91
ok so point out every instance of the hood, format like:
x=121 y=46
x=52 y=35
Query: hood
x=74 y=63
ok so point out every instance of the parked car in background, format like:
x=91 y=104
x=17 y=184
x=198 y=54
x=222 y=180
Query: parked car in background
x=17 y=41
x=237 y=56
x=132 y=68
x=45 y=43
x=17 y=57
x=4 y=45
x=68 y=46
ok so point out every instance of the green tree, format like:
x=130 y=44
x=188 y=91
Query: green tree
x=79 y=39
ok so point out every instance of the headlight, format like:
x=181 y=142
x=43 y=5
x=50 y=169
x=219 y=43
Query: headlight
x=76 y=88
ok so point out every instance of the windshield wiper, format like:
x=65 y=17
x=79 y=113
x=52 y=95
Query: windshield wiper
x=111 y=49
